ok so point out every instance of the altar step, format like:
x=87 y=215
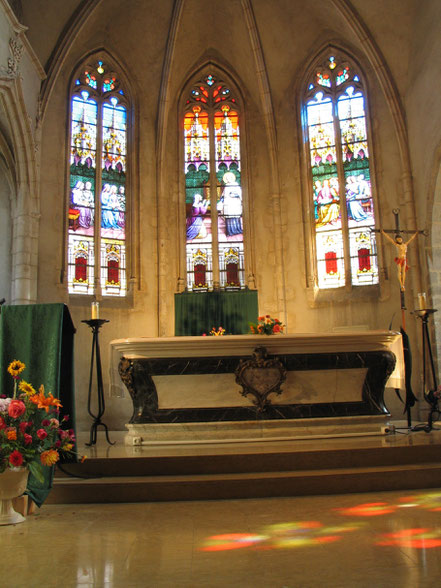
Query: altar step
x=242 y=471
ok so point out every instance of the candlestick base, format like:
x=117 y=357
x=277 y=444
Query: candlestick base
x=95 y=325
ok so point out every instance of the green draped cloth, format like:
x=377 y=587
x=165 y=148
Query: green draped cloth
x=41 y=336
x=197 y=313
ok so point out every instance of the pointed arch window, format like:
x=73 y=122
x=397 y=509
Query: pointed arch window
x=336 y=123
x=97 y=183
x=213 y=187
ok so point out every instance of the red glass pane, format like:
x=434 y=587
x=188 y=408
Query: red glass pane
x=113 y=271
x=331 y=262
x=199 y=275
x=364 y=260
x=232 y=274
x=80 y=269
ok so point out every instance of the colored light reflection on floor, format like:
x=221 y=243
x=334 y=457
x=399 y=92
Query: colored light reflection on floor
x=369 y=509
x=416 y=538
x=280 y=536
x=298 y=534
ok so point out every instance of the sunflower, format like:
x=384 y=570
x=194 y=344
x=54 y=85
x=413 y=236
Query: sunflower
x=15 y=368
x=27 y=388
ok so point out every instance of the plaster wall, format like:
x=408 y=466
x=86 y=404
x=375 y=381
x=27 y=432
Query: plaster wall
x=424 y=118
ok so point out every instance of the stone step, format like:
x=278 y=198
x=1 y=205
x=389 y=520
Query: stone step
x=113 y=489
x=296 y=459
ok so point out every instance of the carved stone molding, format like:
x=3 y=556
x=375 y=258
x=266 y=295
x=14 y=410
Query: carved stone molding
x=12 y=70
x=260 y=377
x=141 y=388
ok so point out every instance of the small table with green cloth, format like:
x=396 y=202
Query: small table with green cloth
x=197 y=313
x=42 y=337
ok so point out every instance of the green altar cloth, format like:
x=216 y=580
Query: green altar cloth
x=42 y=337
x=198 y=312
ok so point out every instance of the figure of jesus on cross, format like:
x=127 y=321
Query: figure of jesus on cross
x=401 y=258
x=401 y=247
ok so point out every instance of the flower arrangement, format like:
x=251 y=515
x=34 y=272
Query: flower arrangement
x=30 y=433
x=219 y=332
x=266 y=325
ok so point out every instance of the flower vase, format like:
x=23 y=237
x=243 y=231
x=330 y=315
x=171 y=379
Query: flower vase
x=13 y=483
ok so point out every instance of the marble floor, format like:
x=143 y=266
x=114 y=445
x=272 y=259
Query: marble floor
x=376 y=540
x=389 y=539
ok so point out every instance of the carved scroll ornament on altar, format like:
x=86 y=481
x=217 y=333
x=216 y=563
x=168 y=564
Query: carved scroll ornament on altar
x=260 y=377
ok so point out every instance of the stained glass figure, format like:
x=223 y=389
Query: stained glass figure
x=98 y=125
x=213 y=128
x=335 y=103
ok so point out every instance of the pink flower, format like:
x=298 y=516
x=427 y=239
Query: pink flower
x=41 y=434
x=15 y=458
x=27 y=439
x=55 y=423
x=16 y=408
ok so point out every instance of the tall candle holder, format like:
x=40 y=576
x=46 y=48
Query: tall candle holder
x=95 y=324
x=431 y=397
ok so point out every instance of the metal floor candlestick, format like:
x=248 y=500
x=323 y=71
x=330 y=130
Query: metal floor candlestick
x=424 y=315
x=95 y=325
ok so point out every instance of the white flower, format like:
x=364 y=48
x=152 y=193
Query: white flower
x=4 y=403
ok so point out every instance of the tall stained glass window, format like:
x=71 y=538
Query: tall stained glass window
x=213 y=193
x=97 y=191
x=335 y=114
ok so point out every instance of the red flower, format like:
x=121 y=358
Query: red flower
x=27 y=439
x=2 y=423
x=41 y=434
x=45 y=422
x=23 y=426
x=16 y=458
x=16 y=408
x=276 y=328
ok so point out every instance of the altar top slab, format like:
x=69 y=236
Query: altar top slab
x=243 y=345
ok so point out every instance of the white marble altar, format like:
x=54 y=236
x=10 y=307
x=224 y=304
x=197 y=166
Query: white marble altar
x=193 y=392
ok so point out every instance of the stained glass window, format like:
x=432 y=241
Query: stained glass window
x=213 y=192
x=98 y=163
x=336 y=128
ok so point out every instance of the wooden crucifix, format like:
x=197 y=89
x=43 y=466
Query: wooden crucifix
x=401 y=249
